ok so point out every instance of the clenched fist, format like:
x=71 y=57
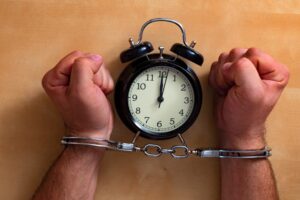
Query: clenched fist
x=78 y=86
x=248 y=83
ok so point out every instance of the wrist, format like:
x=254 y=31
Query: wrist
x=80 y=150
x=101 y=133
x=242 y=141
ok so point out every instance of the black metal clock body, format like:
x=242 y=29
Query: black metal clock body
x=135 y=118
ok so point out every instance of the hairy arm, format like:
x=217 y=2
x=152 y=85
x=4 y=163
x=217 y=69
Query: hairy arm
x=248 y=84
x=247 y=179
x=73 y=175
x=78 y=86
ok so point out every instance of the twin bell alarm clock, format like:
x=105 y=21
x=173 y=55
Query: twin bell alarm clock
x=158 y=95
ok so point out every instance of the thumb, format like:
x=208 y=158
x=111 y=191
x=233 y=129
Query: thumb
x=83 y=70
x=244 y=78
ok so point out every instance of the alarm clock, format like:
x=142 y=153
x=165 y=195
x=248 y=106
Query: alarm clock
x=158 y=95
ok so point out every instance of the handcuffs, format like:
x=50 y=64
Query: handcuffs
x=176 y=151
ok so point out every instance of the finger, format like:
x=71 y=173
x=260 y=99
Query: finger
x=64 y=65
x=109 y=81
x=83 y=71
x=267 y=67
x=60 y=74
x=235 y=54
x=216 y=79
x=245 y=78
x=212 y=74
x=223 y=58
x=104 y=80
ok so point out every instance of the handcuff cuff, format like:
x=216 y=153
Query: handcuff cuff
x=176 y=151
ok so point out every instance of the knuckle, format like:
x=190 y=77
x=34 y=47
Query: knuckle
x=254 y=52
x=45 y=81
x=234 y=51
x=76 y=53
x=223 y=56
x=81 y=63
x=214 y=65
x=286 y=73
x=241 y=62
x=111 y=83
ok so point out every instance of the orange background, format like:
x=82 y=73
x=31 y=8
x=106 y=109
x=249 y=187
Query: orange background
x=35 y=34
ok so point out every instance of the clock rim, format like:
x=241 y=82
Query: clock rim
x=131 y=72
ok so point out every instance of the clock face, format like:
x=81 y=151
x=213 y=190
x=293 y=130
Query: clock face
x=160 y=99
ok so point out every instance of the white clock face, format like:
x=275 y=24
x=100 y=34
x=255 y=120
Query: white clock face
x=161 y=99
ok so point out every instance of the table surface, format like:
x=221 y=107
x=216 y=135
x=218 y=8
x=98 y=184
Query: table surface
x=35 y=34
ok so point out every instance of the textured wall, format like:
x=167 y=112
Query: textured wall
x=34 y=34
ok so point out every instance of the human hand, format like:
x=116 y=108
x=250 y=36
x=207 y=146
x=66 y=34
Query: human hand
x=78 y=86
x=248 y=84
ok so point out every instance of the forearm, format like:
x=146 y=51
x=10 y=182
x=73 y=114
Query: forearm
x=73 y=175
x=247 y=179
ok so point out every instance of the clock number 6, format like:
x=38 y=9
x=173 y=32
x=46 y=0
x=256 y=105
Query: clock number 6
x=159 y=124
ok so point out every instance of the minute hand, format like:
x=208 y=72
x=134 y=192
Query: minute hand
x=160 y=97
x=162 y=89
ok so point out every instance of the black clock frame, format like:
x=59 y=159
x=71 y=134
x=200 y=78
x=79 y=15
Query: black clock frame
x=133 y=70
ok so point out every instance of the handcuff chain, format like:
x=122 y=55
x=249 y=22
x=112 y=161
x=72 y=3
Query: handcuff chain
x=176 y=151
x=158 y=151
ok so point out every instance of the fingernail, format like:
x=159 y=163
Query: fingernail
x=95 y=57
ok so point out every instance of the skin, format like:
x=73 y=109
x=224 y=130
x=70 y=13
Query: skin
x=248 y=83
x=78 y=86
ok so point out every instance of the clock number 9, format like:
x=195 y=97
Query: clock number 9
x=134 y=97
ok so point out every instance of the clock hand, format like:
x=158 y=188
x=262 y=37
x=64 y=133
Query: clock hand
x=165 y=83
x=162 y=89
x=160 y=97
